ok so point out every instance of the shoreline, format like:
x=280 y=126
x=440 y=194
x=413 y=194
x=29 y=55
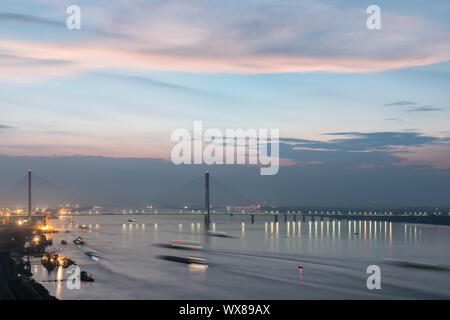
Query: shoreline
x=16 y=282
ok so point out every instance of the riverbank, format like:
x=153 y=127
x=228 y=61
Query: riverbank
x=16 y=282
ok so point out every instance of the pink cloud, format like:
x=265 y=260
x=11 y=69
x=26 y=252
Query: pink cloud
x=86 y=57
x=254 y=37
x=436 y=155
x=366 y=166
x=315 y=162
x=284 y=162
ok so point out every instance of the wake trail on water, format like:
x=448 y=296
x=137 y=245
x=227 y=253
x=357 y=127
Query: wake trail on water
x=297 y=259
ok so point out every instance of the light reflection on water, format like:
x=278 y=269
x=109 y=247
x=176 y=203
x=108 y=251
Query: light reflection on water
x=260 y=261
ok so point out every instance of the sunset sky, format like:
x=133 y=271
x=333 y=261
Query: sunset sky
x=342 y=96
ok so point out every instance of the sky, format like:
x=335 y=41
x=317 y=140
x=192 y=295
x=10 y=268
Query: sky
x=358 y=104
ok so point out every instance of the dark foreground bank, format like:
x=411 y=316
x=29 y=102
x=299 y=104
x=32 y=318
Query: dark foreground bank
x=16 y=282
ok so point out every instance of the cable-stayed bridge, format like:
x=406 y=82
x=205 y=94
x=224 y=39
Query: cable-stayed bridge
x=45 y=194
x=205 y=193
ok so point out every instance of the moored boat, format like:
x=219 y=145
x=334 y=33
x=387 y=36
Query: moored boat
x=79 y=241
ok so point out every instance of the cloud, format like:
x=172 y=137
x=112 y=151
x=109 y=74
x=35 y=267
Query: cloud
x=424 y=109
x=25 y=18
x=368 y=150
x=148 y=81
x=230 y=36
x=434 y=155
x=366 y=166
x=363 y=141
x=2 y=126
x=412 y=109
x=400 y=103
x=59 y=25
x=18 y=59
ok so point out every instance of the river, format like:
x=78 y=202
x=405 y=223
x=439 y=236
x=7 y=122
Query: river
x=259 y=260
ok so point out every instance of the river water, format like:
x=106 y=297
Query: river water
x=259 y=261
